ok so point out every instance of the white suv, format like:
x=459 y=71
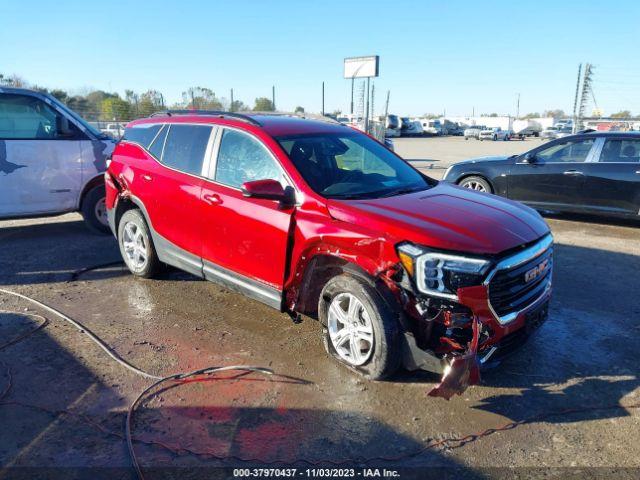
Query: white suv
x=51 y=160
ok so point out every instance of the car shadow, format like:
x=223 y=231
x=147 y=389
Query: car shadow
x=586 y=355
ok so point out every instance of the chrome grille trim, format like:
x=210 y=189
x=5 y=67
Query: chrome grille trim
x=513 y=261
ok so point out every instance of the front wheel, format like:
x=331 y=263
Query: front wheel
x=136 y=245
x=94 y=210
x=359 y=328
x=476 y=183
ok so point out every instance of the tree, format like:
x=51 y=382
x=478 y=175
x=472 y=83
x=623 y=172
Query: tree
x=299 y=109
x=60 y=95
x=557 y=113
x=263 y=104
x=115 y=108
x=531 y=115
x=150 y=102
x=13 y=81
x=238 y=106
x=201 y=98
x=622 y=114
x=430 y=115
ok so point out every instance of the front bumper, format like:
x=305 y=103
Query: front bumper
x=493 y=336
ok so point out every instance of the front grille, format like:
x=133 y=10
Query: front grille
x=509 y=289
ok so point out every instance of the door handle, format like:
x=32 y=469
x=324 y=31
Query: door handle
x=212 y=198
x=147 y=177
x=573 y=172
x=638 y=172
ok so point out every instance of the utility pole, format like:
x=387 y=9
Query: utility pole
x=352 y=80
x=518 y=108
x=386 y=106
x=273 y=97
x=366 y=116
x=473 y=111
x=231 y=105
x=323 y=99
x=373 y=99
x=575 y=102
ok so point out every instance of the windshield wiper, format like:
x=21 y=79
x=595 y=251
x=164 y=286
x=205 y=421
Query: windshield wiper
x=401 y=191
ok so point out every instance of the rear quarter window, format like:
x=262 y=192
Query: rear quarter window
x=143 y=134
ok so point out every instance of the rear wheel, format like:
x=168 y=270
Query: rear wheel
x=360 y=330
x=136 y=245
x=94 y=210
x=476 y=183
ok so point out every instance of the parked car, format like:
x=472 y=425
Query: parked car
x=494 y=134
x=51 y=160
x=316 y=218
x=114 y=130
x=554 y=132
x=455 y=130
x=596 y=172
x=473 y=131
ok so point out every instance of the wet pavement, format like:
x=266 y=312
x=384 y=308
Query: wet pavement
x=68 y=399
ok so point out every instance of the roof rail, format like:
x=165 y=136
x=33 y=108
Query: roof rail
x=215 y=113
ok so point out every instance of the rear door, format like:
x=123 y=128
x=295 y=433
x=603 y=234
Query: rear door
x=244 y=239
x=555 y=178
x=40 y=167
x=612 y=183
x=172 y=188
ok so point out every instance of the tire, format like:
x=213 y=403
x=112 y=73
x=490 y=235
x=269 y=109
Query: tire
x=133 y=233
x=495 y=137
x=383 y=357
x=94 y=211
x=466 y=138
x=479 y=184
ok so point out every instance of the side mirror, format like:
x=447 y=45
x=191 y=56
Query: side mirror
x=529 y=158
x=62 y=127
x=269 y=190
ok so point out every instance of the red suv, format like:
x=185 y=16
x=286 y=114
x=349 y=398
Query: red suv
x=313 y=217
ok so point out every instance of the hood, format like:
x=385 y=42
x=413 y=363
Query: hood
x=493 y=158
x=446 y=217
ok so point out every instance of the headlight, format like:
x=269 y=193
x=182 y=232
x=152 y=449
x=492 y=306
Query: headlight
x=441 y=274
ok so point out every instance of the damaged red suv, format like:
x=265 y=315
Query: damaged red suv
x=315 y=218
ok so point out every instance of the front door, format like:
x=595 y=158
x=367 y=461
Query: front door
x=554 y=178
x=245 y=240
x=40 y=167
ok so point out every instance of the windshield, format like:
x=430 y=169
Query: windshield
x=350 y=165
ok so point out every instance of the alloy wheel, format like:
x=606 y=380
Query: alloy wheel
x=100 y=211
x=350 y=329
x=135 y=246
x=473 y=185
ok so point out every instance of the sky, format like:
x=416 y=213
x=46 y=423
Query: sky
x=438 y=56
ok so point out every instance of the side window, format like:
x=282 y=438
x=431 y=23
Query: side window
x=158 y=144
x=23 y=117
x=185 y=147
x=142 y=134
x=621 y=151
x=570 y=151
x=242 y=158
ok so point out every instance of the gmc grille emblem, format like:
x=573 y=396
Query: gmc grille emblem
x=536 y=271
